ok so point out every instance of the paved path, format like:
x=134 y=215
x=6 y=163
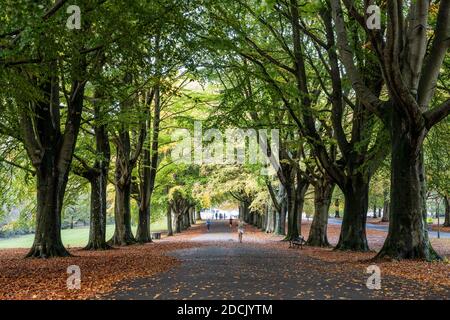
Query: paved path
x=385 y=228
x=221 y=268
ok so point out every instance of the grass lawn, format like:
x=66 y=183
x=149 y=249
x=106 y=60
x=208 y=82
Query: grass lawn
x=72 y=237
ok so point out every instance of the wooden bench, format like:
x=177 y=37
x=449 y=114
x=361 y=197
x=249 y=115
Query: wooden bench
x=297 y=242
x=156 y=235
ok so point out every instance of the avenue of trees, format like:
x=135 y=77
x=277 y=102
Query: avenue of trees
x=361 y=113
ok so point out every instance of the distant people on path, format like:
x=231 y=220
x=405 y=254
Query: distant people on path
x=208 y=224
x=216 y=215
x=240 y=230
x=231 y=222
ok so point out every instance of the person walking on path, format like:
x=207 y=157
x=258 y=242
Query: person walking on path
x=231 y=222
x=240 y=230
x=208 y=224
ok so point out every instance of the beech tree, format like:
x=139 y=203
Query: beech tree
x=97 y=173
x=410 y=69
x=360 y=149
x=47 y=126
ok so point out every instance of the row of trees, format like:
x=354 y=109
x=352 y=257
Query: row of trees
x=342 y=93
x=99 y=104
x=73 y=101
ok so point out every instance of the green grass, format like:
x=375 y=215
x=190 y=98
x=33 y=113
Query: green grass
x=71 y=237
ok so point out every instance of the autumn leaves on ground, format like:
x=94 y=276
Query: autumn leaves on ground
x=101 y=271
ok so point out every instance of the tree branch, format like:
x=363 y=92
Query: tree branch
x=437 y=114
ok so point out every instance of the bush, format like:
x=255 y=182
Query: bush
x=15 y=228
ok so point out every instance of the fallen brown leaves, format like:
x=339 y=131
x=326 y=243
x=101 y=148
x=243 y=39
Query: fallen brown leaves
x=435 y=227
x=100 y=271
x=435 y=274
x=46 y=279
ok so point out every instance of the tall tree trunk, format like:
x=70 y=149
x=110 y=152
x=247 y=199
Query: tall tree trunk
x=122 y=233
x=143 y=229
x=281 y=217
x=150 y=163
x=178 y=223
x=269 y=219
x=302 y=187
x=447 y=211
x=51 y=152
x=262 y=219
x=98 y=179
x=323 y=191
x=126 y=160
x=353 y=229
x=385 y=207
x=292 y=213
x=169 y=221
x=274 y=220
x=97 y=228
x=193 y=214
x=277 y=216
x=187 y=220
x=50 y=194
x=386 y=211
x=408 y=236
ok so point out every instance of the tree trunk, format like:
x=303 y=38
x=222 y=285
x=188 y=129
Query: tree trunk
x=262 y=219
x=269 y=219
x=408 y=236
x=255 y=218
x=385 y=207
x=274 y=220
x=169 y=221
x=385 y=211
x=51 y=153
x=97 y=228
x=122 y=234
x=281 y=222
x=143 y=229
x=150 y=164
x=292 y=213
x=178 y=223
x=323 y=191
x=193 y=213
x=353 y=229
x=187 y=220
x=447 y=211
x=50 y=194
x=277 y=217
x=302 y=187
x=374 y=211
